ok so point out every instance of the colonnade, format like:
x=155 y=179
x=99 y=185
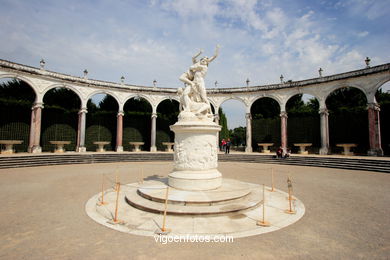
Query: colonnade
x=368 y=80
x=373 y=130
x=35 y=130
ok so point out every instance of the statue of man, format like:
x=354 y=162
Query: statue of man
x=193 y=97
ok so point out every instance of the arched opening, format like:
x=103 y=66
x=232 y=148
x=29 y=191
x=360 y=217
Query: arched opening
x=348 y=121
x=265 y=122
x=136 y=122
x=60 y=118
x=167 y=112
x=16 y=99
x=101 y=121
x=232 y=120
x=382 y=96
x=303 y=122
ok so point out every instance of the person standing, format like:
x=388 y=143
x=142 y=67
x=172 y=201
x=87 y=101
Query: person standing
x=228 y=144
x=223 y=145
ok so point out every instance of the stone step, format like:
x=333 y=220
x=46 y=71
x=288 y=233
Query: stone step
x=24 y=160
x=185 y=207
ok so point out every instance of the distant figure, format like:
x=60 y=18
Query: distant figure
x=223 y=145
x=279 y=152
x=287 y=154
x=228 y=144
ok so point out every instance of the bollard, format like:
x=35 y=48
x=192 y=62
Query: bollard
x=102 y=202
x=116 y=179
x=263 y=223
x=272 y=176
x=118 y=186
x=163 y=229
x=289 y=185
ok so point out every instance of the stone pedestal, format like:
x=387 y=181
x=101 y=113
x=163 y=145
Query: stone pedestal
x=196 y=156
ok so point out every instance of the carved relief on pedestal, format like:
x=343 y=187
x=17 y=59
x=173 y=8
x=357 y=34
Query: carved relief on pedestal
x=197 y=152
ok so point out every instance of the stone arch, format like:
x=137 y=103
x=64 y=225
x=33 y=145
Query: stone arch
x=141 y=95
x=274 y=97
x=98 y=91
x=303 y=123
x=70 y=87
x=348 y=120
x=167 y=98
x=303 y=93
x=137 y=120
x=25 y=79
x=164 y=120
x=60 y=117
x=376 y=87
x=15 y=122
x=233 y=98
x=345 y=85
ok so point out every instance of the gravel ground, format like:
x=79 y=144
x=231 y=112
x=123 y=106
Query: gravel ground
x=43 y=217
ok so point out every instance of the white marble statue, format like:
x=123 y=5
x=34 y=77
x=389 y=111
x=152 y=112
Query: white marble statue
x=193 y=98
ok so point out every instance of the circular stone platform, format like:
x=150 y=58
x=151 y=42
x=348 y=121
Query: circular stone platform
x=233 y=209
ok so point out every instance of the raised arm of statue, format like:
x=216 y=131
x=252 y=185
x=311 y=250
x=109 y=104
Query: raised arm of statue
x=216 y=53
x=196 y=56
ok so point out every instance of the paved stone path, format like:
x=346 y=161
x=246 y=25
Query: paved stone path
x=43 y=215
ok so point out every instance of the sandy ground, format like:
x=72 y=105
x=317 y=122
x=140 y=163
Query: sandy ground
x=43 y=216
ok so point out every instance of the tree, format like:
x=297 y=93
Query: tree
x=16 y=90
x=346 y=100
x=62 y=98
x=237 y=136
x=108 y=103
x=224 y=134
x=265 y=108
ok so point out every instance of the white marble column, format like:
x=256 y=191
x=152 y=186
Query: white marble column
x=248 y=148
x=324 y=128
x=81 y=131
x=283 y=130
x=35 y=128
x=374 y=130
x=119 y=131
x=153 y=147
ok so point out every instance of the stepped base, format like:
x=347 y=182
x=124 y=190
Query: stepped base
x=232 y=196
x=195 y=180
x=233 y=210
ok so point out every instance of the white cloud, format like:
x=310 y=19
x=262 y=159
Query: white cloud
x=362 y=34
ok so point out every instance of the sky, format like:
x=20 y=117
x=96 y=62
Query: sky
x=148 y=40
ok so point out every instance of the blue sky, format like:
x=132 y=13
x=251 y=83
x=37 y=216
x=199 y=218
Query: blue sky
x=147 y=40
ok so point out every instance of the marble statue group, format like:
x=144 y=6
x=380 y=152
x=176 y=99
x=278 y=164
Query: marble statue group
x=193 y=99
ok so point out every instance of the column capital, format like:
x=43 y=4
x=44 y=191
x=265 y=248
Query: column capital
x=83 y=110
x=324 y=111
x=37 y=105
x=374 y=106
x=154 y=115
x=283 y=114
x=121 y=113
x=216 y=116
x=248 y=115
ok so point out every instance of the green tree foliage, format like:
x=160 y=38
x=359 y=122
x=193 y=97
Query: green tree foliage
x=108 y=103
x=237 y=136
x=297 y=107
x=346 y=100
x=139 y=105
x=224 y=134
x=17 y=91
x=167 y=112
x=265 y=108
x=62 y=98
